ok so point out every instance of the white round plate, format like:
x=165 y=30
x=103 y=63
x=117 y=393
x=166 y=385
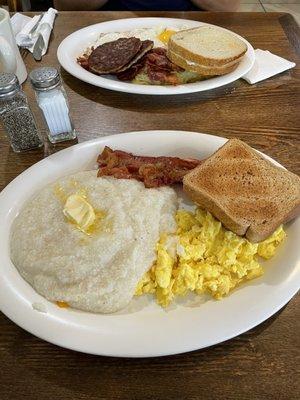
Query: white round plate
x=75 y=44
x=143 y=329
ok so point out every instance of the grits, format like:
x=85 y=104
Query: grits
x=99 y=271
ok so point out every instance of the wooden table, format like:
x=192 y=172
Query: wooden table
x=260 y=364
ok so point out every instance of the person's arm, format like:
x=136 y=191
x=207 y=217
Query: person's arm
x=217 y=5
x=78 y=5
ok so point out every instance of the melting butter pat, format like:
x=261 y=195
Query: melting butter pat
x=79 y=212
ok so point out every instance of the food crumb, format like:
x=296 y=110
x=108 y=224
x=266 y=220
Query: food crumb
x=40 y=307
x=62 y=304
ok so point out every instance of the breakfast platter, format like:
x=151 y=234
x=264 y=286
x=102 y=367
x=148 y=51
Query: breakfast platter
x=150 y=56
x=92 y=204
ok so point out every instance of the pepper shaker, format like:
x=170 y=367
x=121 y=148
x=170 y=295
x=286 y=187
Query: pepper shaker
x=16 y=116
x=52 y=100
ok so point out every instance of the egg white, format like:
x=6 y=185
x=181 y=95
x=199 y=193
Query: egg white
x=140 y=33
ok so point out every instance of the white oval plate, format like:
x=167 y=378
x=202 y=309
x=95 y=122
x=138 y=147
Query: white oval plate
x=143 y=329
x=75 y=44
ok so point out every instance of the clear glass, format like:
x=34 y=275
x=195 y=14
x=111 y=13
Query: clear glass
x=55 y=108
x=18 y=122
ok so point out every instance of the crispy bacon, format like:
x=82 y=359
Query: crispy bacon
x=83 y=60
x=162 y=76
x=156 y=65
x=130 y=73
x=158 y=60
x=153 y=171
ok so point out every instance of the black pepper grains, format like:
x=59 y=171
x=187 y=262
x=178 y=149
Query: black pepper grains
x=16 y=116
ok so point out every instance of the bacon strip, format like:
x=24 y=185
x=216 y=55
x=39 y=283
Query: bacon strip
x=83 y=60
x=156 y=65
x=153 y=171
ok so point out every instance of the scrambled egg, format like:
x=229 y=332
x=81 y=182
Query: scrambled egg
x=204 y=257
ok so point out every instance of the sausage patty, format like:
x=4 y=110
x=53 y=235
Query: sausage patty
x=112 y=56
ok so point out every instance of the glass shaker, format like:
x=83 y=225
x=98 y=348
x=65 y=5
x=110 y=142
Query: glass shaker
x=52 y=100
x=16 y=116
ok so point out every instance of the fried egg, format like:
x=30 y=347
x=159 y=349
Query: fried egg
x=159 y=35
x=204 y=257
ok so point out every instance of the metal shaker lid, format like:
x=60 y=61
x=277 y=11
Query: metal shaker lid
x=9 y=84
x=44 y=78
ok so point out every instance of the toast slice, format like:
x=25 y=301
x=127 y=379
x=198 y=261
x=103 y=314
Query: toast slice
x=203 y=70
x=246 y=192
x=207 y=46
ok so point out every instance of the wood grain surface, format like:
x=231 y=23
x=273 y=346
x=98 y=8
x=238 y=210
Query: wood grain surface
x=263 y=363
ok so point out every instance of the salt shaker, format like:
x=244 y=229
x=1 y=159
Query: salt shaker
x=16 y=116
x=52 y=100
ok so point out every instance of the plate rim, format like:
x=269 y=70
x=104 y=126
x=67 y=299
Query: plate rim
x=152 y=90
x=186 y=348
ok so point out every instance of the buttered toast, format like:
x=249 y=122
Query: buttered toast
x=246 y=192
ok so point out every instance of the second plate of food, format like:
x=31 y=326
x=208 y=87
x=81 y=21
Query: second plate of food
x=86 y=243
x=150 y=70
